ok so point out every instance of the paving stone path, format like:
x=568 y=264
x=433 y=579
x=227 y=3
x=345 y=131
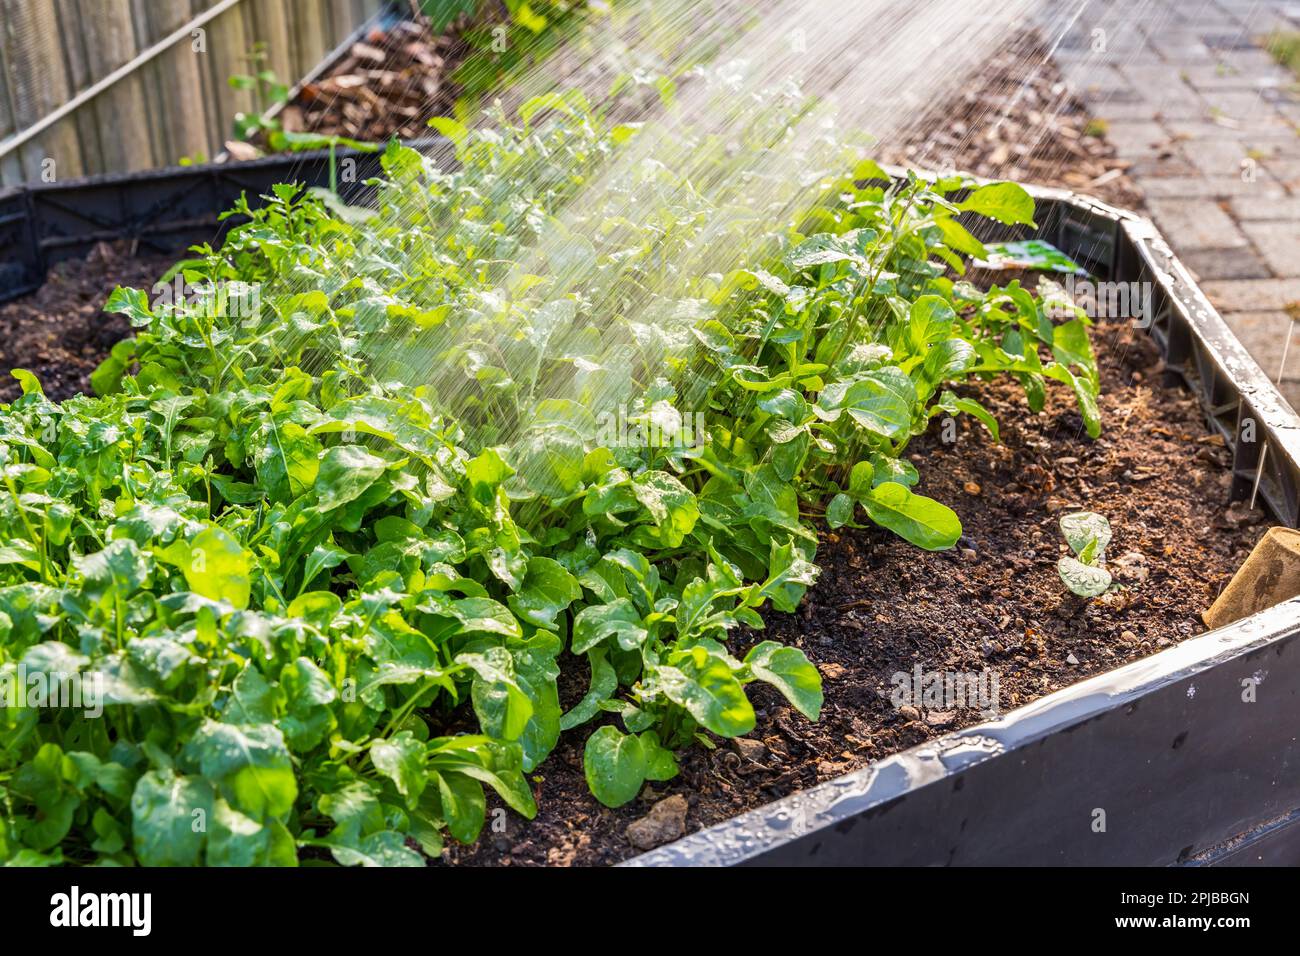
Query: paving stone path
x=1211 y=124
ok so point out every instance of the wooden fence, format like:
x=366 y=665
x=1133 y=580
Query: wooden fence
x=147 y=80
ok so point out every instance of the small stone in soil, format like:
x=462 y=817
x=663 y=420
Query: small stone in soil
x=1072 y=659
x=666 y=821
x=754 y=750
x=1131 y=567
x=1240 y=513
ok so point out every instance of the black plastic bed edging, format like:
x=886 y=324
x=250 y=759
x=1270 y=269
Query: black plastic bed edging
x=1189 y=756
x=1163 y=761
x=162 y=211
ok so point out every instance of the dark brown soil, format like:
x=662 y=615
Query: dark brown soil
x=60 y=332
x=882 y=606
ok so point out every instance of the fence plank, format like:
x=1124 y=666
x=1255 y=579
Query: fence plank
x=38 y=83
x=228 y=47
x=170 y=127
x=182 y=106
x=126 y=140
x=179 y=103
x=309 y=33
x=6 y=111
x=80 y=75
x=344 y=19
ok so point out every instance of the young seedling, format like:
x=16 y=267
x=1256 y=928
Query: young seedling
x=1084 y=572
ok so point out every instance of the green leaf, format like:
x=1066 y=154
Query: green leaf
x=604 y=682
x=947 y=360
x=118 y=569
x=463 y=805
x=1008 y=203
x=824 y=249
x=888 y=468
x=917 y=519
x=790 y=672
x=496 y=763
x=250 y=764
x=308 y=696
x=958 y=239
x=1071 y=346
x=346 y=472
x=217 y=567
x=238 y=840
x=619 y=619
x=287 y=464
x=840 y=511
x=1085 y=394
x=1084 y=529
x=29 y=383
x=355 y=808
x=169 y=818
x=132 y=303
x=660 y=762
x=107 y=377
x=385 y=848
x=1085 y=580
x=547 y=590
x=881 y=401
x=252 y=700
x=400 y=758
x=954 y=405
x=868 y=170
x=710 y=692
x=861 y=478
x=670 y=503
x=930 y=319
x=501 y=701
x=615 y=766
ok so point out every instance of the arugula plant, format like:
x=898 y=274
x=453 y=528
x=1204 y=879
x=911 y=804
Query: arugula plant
x=329 y=508
x=1084 y=572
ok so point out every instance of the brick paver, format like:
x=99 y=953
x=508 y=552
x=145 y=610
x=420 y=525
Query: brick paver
x=1253 y=295
x=1278 y=243
x=1243 y=263
x=1197 y=223
x=1210 y=125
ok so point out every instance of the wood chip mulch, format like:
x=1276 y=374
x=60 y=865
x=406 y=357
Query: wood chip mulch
x=1018 y=121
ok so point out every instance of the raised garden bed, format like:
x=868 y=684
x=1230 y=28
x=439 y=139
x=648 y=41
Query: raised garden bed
x=995 y=604
x=840 y=791
x=867 y=782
